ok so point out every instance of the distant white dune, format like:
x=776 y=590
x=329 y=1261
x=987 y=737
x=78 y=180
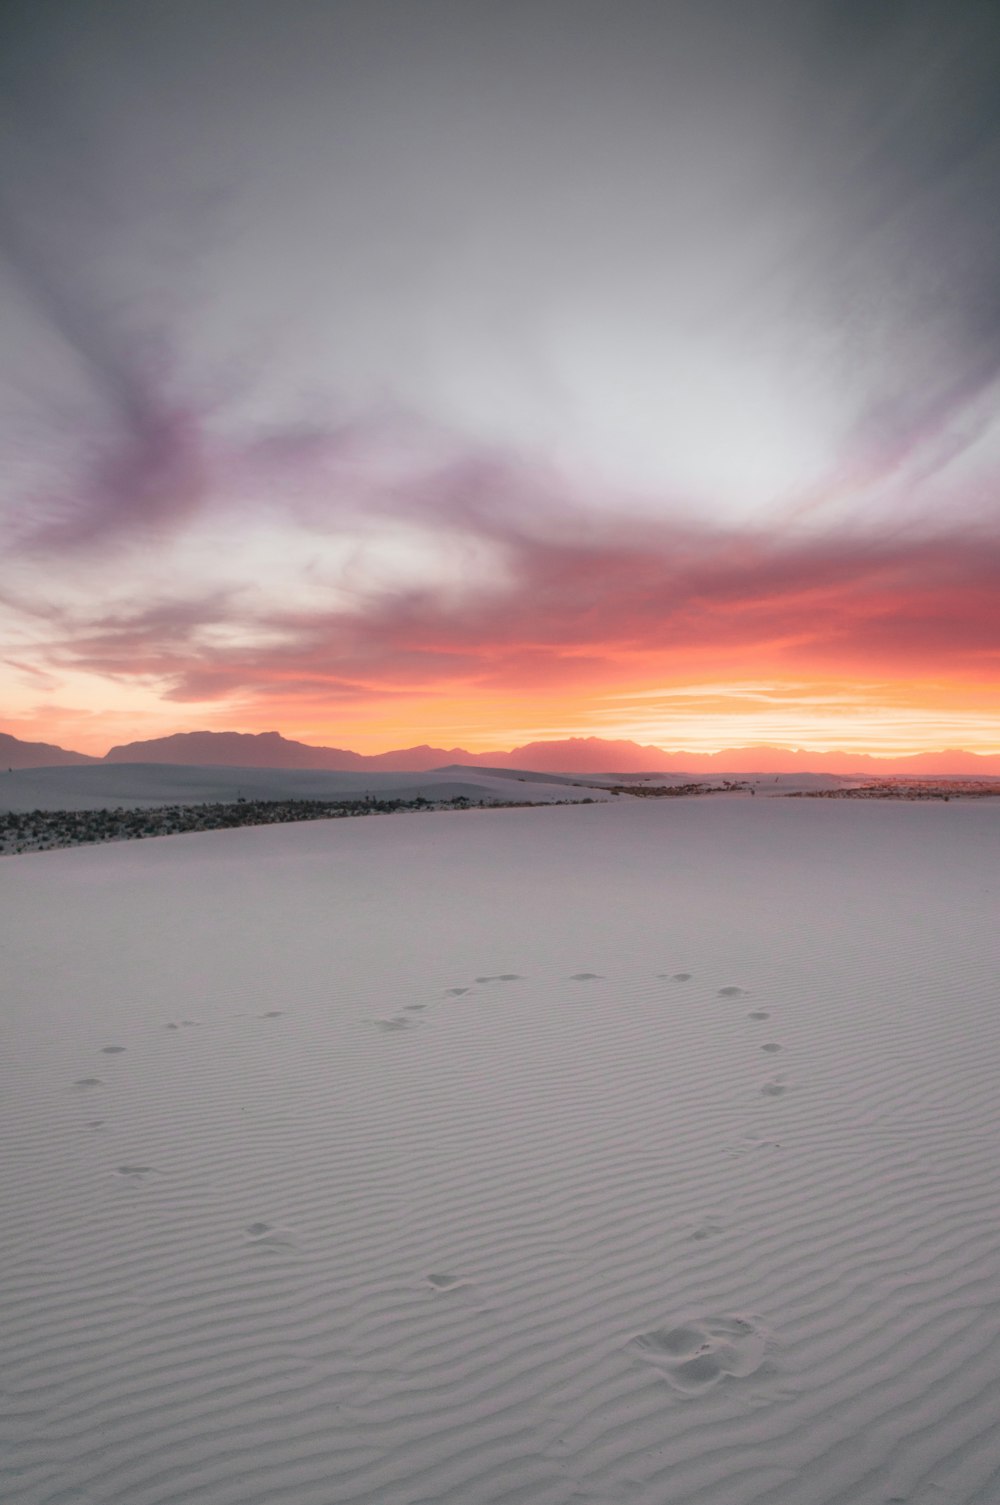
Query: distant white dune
x=103 y=786
x=106 y=785
x=642 y=1152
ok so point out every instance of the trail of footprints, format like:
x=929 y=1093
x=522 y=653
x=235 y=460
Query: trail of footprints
x=400 y=1021
x=771 y=1089
x=693 y=1356
x=129 y=1175
x=703 y=1351
x=260 y=1236
x=774 y=1087
x=396 y=1022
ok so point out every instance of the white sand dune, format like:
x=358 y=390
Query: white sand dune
x=108 y=785
x=643 y=1152
x=105 y=786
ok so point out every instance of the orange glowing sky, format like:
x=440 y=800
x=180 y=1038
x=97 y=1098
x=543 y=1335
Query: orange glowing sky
x=676 y=636
x=387 y=375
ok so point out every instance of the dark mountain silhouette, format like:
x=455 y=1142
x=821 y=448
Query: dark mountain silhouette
x=571 y=755
x=234 y=750
x=767 y=759
x=272 y=750
x=17 y=754
x=583 y=755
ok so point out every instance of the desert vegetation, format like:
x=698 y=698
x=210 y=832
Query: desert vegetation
x=39 y=830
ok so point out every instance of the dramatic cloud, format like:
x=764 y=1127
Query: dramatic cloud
x=483 y=363
x=574 y=594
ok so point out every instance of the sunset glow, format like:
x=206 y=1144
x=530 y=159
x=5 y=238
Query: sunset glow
x=515 y=449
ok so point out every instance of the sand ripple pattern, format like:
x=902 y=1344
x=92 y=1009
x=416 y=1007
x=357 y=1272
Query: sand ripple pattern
x=557 y=1237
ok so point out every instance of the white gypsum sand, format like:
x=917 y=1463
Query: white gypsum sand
x=641 y=1152
x=138 y=785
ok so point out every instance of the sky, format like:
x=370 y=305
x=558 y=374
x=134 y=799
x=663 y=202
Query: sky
x=398 y=371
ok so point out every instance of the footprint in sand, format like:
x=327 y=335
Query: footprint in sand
x=266 y=1238
x=93 y=1123
x=88 y=1081
x=757 y=1139
x=759 y=1014
x=707 y=1228
x=732 y=991
x=446 y=1282
x=679 y=976
x=775 y=1088
x=271 y=1014
x=460 y=992
x=387 y=1026
x=414 y=1008
x=772 y=1047
x=699 y=1354
x=501 y=977
x=586 y=977
x=112 y=1050
x=135 y=1173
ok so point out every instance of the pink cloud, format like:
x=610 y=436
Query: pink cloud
x=577 y=611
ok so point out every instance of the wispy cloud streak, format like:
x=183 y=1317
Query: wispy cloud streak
x=148 y=473
x=635 y=599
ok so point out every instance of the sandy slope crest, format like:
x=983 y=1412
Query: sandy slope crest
x=105 y=786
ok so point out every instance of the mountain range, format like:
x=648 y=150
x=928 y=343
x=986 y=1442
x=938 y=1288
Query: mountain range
x=570 y=755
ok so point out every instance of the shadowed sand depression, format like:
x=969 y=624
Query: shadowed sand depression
x=636 y=1152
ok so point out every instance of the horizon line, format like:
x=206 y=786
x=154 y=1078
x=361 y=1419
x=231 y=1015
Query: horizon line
x=586 y=738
